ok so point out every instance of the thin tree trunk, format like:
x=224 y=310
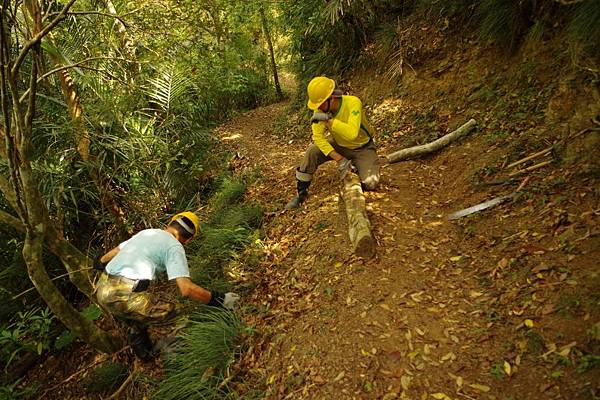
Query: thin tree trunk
x=74 y=260
x=75 y=322
x=82 y=136
x=127 y=44
x=265 y=25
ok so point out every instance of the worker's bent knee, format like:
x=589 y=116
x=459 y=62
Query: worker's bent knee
x=370 y=183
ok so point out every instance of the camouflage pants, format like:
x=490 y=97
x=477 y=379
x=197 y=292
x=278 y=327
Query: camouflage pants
x=116 y=296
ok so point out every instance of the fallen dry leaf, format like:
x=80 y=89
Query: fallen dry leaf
x=339 y=376
x=481 y=388
x=528 y=323
x=507 y=368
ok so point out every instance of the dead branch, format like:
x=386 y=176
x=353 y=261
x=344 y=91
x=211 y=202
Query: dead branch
x=121 y=388
x=76 y=374
x=522 y=185
x=530 y=157
x=569 y=2
x=529 y=169
x=416 y=151
x=359 y=227
x=117 y=17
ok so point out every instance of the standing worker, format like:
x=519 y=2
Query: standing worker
x=349 y=143
x=135 y=263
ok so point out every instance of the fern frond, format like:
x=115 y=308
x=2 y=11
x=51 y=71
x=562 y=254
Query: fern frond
x=334 y=10
x=167 y=88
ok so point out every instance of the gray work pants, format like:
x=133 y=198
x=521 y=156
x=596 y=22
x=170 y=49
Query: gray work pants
x=365 y=160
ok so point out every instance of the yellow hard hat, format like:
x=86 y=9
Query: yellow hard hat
x=319 y=90
x=192 y=217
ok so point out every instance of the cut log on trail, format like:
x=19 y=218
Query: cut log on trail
x=417 y=151
x=359 y=227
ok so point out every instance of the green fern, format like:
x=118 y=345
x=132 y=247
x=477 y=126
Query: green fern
x=167 y=88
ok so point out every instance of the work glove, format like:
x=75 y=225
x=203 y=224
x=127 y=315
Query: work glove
x=320 y=116
x=227 y=300
x=231 y=301
x=344 y=166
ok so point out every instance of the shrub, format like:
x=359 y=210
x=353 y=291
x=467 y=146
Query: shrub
x=201 y=356
x=30 y=332
x=12 y=391
x=584 y=26
x=230 y=192
x=502 y=21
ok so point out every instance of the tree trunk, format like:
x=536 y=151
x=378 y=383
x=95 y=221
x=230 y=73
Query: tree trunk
x=73 y=259
x=417 y=151
x=82 y=137
x=75 y=322
x=265 y=25
x=127 y=44
x=359 y=227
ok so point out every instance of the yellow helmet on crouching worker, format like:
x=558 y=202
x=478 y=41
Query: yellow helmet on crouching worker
x=193 y=230
x=319 y=90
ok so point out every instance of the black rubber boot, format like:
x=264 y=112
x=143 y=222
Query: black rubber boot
x=140 y=343
x=302 y=195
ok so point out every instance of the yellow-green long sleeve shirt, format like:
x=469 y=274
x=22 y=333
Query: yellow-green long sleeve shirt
x=350 y=127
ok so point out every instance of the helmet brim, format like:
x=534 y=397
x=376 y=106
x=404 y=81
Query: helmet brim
x=314 y=106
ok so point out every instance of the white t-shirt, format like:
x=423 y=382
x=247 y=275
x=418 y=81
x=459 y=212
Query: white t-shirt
x=148 y=253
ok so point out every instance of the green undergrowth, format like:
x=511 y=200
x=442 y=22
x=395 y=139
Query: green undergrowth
x=198 y=366
x=229 y=228
x=105 y=378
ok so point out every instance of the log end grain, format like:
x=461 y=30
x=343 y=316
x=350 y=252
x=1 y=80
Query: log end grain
x=365 y=247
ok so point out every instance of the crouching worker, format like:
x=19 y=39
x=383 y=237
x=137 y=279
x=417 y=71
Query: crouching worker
x=131 y=268
x=349 y=143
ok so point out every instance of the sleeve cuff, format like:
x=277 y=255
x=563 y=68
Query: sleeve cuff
x=216 y=299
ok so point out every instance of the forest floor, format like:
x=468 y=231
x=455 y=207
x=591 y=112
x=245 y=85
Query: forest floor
x=502 y=304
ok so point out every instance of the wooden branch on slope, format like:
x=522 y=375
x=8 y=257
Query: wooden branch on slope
x=359 y=227
x=416 y=151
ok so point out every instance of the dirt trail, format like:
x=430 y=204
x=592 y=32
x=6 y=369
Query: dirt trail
x=427 y=318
